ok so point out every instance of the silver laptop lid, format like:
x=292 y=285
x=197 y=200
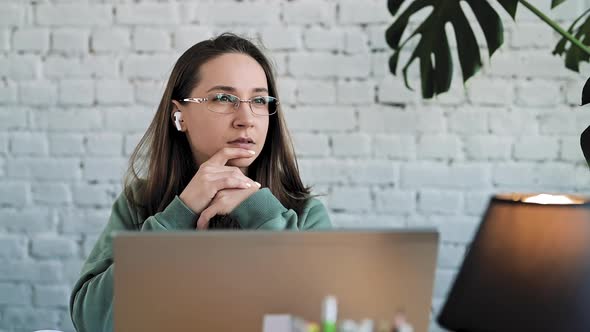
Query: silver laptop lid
x=227 y=281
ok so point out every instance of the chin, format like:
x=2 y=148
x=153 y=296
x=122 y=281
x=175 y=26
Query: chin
x=242 y=162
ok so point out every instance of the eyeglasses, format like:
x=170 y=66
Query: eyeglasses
x=225 y=103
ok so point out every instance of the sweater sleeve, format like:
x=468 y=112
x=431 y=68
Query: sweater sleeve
x=91 y=301
x=263 y=210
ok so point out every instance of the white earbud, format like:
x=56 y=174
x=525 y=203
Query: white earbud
x=177 y=119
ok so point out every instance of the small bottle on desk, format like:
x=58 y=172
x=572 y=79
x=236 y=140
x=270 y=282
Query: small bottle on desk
x=400 y=322
x=329 y=314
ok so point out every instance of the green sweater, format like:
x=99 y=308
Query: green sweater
x=91 y=302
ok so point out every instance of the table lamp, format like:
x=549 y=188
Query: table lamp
x=527 y=269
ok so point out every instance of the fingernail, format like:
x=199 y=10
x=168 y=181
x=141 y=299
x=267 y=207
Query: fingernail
x=258 y=184
x=248 y=185
x=252 y=151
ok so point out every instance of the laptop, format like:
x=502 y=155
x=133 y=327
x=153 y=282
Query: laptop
x=527 y=270
x=229 y=280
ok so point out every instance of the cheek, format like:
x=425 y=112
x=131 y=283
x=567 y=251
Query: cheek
x=205 y=135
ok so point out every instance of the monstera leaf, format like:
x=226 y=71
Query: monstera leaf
x=585 y=137
x=555 y=3
x=433 y=52
x=436 y=75
x=575 y=54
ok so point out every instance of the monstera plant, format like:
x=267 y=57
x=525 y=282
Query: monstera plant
x=433 y=51
x=585 y=137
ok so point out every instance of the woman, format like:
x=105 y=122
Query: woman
x=217 y=150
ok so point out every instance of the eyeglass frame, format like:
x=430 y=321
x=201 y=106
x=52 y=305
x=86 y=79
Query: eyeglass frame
x=200 y=100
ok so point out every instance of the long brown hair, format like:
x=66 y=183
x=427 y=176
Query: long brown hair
x=162 y=164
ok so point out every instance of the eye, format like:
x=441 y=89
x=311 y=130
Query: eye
x=259 y=100
x=224 y=98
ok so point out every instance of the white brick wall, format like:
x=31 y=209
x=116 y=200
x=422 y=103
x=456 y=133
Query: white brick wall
x=104 y=144
x=51 y=296
x=74 y=14
x=79 y=83
x=146 y=13
x=440 y=202
x=31 y=40
x=316 y=92
x=46 y=247
x=70 y=41
x=20 y=68
x=12 y=15
x=38 y=93
x=311 y=145
x=486 y=91
x=351 y=145
x=369 y=12
x=76 y=92
x=114 y=92
x=29 y=144
x=110 y=39
x=393 y=201
x=21 y=318
x=142 y=66
x=51 y=194
x=185 y=36
x=13 y=246
x=355 y=92
x=15 y=294
x=487 y=147
x=305 y=118
x=318 y=39
x=66 y=144
x=356 y=41
x=309 y=12
x=541 y=94
x=536 y=148
x=396 y=147
x=151 y=40
x=439 y=147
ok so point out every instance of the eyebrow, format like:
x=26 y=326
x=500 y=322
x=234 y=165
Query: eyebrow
x=232 y=89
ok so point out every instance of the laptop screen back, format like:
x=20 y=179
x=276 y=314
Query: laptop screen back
x=228 y=281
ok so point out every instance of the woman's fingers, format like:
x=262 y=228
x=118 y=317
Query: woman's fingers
x=221 y=157
x=225 y=174
x=231 y=183
x=206 y=215
x=214 y=176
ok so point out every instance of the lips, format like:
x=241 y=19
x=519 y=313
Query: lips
x=242 y=140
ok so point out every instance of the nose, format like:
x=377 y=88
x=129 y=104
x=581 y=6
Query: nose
x=243 y=116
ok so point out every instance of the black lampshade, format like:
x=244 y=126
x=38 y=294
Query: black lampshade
x=528 y=268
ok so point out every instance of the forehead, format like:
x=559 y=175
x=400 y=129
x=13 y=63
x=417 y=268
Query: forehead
x=239 y=71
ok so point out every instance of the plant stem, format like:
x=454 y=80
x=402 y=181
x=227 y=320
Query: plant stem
x=556 y=26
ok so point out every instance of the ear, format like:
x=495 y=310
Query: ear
x=177 y=109
x=176 y=106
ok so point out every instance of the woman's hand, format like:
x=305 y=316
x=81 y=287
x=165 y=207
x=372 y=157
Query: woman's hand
x=214 y=176
x=224 y=202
